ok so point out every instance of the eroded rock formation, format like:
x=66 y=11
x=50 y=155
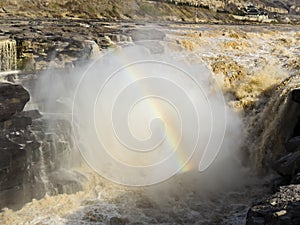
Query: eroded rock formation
x=32 y=151
x=175 y=10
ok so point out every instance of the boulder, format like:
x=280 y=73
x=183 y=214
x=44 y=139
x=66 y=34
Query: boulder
x=281 y=208
x=288 y=165
x=12 y=100
x=293 y=144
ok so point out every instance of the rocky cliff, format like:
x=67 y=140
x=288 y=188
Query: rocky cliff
x=283 y=6
x=34 y=148
x=32 y=151
x=175 y=10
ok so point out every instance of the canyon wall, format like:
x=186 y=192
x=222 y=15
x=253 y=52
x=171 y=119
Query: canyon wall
x=174 y=10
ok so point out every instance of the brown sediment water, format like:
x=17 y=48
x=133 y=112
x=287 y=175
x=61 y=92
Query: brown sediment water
x=256 y=68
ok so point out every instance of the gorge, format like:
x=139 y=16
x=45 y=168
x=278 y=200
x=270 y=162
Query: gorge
x=46 y=179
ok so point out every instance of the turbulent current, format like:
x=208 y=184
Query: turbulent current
x=233 y=80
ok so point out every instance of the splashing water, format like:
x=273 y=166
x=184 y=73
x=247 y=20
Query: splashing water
x=273 y=125
x=189 y=197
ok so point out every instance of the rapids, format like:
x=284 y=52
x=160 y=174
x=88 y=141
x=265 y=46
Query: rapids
x=256 y=68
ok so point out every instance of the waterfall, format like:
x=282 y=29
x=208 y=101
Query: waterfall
x=8 y=55
x=55 y=157
x=43 y=173
x=270 y=125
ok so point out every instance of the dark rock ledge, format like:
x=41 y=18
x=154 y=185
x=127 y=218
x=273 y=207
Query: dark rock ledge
x=12 y=100
x=31 y=152
x=16 y=141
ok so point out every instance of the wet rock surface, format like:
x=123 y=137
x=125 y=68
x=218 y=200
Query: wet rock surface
x=288 y=165
x=17 y=143
x=12 y=100
x=64 y=43
x=29 y=156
